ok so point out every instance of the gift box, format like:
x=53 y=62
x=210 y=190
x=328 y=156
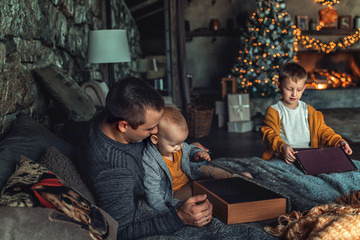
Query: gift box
x=221 y=121
x=220 y=108
x=238 y=107
x=240 y=199
x=240 y=127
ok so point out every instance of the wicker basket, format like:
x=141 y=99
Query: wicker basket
x=199 y=121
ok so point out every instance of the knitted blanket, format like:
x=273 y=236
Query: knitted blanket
x=304 y=191
x=329 y=221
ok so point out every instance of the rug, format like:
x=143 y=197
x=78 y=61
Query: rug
x=344 y=122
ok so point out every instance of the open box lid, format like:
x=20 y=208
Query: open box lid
x=315 y=161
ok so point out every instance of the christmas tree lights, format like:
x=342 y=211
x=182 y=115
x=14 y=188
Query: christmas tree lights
x=267 y=44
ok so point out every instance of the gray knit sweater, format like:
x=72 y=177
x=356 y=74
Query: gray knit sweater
x=115 y=175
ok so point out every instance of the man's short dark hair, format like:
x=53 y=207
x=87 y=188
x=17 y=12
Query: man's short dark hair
x=293 y=71
x=128 y=100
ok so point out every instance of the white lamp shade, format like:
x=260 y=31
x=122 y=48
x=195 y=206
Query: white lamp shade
x=108 y=46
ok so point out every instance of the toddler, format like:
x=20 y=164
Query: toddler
x=167 y=163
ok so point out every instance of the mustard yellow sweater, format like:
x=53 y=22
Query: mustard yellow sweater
x=320 y=134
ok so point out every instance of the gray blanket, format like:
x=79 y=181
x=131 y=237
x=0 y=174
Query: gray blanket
x=303 y=190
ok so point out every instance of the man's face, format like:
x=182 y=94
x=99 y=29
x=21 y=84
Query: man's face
x=152 y=119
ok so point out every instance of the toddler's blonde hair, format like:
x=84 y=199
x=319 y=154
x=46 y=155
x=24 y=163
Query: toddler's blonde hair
x=173 y=115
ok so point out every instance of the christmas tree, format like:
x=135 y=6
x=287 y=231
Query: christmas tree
x=266 y=44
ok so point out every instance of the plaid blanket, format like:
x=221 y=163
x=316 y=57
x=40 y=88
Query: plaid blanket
x=305 y=192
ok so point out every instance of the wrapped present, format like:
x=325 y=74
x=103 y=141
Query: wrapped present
x=221 y=121
x=240 y=127
x=220 y=108
x=238 y=107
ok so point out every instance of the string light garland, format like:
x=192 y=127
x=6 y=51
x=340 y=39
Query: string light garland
x=328 y=3
x=315 y=44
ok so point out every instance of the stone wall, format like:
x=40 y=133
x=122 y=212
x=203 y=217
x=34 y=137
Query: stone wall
x=38 y=33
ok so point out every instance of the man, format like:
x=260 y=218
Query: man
x=110 y=162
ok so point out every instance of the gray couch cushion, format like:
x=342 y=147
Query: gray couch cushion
x=66 y=92
x=28 y=138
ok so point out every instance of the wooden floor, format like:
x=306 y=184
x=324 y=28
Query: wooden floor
x=221 y=143
x=224 y=144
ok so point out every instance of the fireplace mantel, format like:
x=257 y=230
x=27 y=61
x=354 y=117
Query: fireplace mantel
x=332 y=98
x=330 y=31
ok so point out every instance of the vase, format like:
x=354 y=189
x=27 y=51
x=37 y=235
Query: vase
x=215 y=24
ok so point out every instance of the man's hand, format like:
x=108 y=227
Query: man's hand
x=199 y=145
x=345 y=146
x=202 y=156
x=289 y=153
x=196 y=211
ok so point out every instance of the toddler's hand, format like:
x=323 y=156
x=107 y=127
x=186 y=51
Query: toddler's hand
x=201 y=156
x=345 y=146
x=288 y=152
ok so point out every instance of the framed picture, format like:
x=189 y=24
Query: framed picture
x=302 y=22
x=345 y=22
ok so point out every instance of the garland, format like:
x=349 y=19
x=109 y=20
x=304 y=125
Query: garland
x=328 y=3
x=313 y=43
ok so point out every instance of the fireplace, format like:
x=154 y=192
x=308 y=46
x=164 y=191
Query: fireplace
x=334 y=70
x=333 y=79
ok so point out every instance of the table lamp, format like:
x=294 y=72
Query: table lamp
x=108 y=46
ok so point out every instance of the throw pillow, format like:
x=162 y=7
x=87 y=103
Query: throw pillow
x=66 y=92
x=66 y=171
x=33 y=185
x=28 y=138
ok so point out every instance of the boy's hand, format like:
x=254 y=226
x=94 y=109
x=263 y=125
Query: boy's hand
x=345 y=146
x=288 y=152
x=201 y=156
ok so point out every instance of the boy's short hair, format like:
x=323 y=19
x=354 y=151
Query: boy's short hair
x=128 y=100
x=293 y=71
x=173 y=115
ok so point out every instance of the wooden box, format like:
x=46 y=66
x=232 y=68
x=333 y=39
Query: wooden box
x=238 y=200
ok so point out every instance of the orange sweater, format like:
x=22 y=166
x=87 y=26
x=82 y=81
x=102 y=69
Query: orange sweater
x=320 y=134
x=178 y=177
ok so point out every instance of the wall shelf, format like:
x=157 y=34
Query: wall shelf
x=208 y=33
x=329 y=31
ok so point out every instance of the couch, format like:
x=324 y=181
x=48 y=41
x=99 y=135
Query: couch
x=32 y=155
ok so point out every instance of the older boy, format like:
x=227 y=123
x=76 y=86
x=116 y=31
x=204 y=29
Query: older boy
x=111 y=162
x=291 y=123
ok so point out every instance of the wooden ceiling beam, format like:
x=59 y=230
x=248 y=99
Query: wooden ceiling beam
x=143 y=4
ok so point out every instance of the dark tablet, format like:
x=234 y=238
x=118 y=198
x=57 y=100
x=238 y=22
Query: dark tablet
x=314 y=161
